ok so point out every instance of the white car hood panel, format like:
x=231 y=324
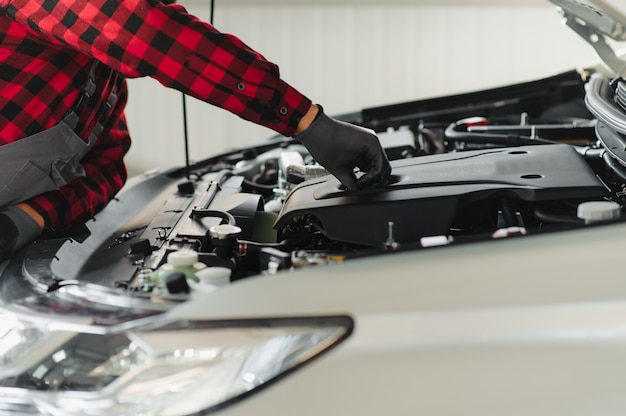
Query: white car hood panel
x=483 y=329
x=504 y=274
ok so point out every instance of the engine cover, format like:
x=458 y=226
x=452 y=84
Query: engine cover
x=427 y=192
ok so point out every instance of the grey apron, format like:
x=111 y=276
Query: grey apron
x=51 y=158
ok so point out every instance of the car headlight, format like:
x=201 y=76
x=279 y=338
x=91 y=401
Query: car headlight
x=176 y=368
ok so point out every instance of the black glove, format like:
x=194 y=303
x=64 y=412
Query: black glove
x=17 y=228
x=340 y=147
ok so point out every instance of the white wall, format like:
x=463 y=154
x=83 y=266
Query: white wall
x=356 y=54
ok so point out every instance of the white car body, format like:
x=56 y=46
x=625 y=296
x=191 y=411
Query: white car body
x=466 y=330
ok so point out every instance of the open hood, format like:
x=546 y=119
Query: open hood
x=596 y=21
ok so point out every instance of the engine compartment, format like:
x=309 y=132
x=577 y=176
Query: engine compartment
x=429 y=195
x=500 y=163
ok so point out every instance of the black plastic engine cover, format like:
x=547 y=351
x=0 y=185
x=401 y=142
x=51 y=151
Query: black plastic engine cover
x=427 y=192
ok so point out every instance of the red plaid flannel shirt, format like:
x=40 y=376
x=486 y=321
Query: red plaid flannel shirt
x=47 y=48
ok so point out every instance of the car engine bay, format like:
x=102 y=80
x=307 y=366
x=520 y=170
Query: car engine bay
x=506 y=162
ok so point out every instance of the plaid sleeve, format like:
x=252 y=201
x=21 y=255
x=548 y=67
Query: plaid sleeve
x=138 y=38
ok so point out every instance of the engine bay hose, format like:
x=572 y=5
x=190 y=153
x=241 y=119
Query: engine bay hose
x=615 y=166
x=600 y=102
x=509 y=140
x=210 y=213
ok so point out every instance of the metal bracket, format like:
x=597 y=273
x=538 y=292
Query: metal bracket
x=598 y=41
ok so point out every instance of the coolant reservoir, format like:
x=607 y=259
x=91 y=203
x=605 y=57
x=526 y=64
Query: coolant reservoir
x=183 y=261
x=595 y=211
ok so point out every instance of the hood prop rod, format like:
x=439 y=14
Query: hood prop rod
x=185 y=123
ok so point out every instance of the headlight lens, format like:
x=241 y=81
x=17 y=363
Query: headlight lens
x=176 y=368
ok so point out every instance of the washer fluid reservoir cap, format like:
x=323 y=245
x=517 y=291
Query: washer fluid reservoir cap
x=595 y=211
x=224 y=231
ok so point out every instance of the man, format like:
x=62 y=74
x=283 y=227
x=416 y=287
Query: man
x=63 y=134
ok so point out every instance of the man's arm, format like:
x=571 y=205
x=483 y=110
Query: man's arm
x=179 y=50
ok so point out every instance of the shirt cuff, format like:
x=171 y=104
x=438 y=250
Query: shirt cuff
x=289 y=108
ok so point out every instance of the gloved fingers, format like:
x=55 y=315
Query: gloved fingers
x=374 y=179
x=347 y=179
x=378 y=170
x=340 y=147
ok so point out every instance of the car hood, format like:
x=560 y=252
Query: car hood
x=604 y=16
x=428 y=282
x=474 y=337
x=597 y=22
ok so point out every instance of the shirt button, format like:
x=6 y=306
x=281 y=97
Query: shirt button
x=241 y=86
x=283 y=110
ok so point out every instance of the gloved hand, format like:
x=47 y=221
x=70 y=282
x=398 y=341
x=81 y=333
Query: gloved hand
x=340 y=147
x=17 y=228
